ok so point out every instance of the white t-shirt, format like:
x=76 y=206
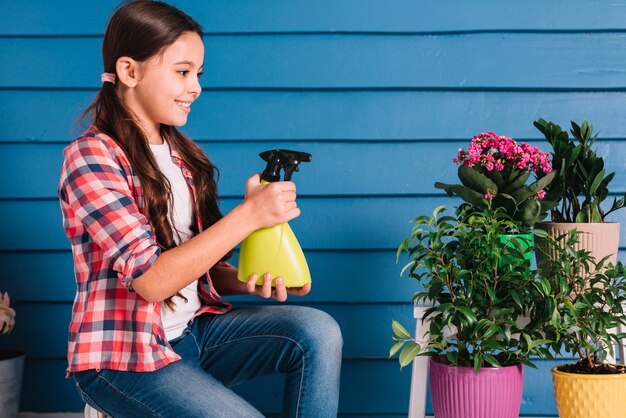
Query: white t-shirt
x=174 y=322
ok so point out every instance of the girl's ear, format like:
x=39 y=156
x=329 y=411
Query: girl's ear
x=127 y=70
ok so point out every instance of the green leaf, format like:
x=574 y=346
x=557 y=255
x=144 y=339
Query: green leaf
x=539 y=342
x=408 y=353
x=543 y=182
x=492 y=360
x=490 y=331
x=453 y=357
x=494 y=345
x=395 y=348
x=411 y=263
x=438 y=210
x=465 y=193
x=528 y=341
x=476 y=181
x=596 y=182
x=468 y=313
x=516 y=183
x=527 y=362
x=530 y=212
x=478 y=361
x=545 y=286
x=404 y=246
x=399 y=330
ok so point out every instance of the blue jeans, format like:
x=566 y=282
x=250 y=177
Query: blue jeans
x=221 y=351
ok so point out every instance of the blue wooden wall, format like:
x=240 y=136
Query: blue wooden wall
x=382 y=93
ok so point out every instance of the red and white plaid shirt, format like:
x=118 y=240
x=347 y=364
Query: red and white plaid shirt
x=104 y=217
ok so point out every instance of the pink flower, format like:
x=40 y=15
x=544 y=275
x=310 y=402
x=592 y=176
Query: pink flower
x=488 y=151
x=488 y=195
x=541 y=194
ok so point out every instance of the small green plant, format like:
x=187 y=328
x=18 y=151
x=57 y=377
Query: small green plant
x=494 y=171
x=480 y=286
x=581 y=184
x=7 y=314
x=586 y=304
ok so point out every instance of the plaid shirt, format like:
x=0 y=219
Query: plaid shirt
x=104 y=217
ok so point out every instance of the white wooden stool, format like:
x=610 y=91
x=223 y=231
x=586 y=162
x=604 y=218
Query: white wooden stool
x=93 y=413
x=419 y=374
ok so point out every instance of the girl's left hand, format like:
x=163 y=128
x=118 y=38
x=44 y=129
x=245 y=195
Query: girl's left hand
x=279 y=292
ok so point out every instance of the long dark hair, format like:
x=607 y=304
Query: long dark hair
x=140 y=30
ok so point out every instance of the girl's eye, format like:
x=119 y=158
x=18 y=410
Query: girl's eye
x=182 y=72
x=200 y=74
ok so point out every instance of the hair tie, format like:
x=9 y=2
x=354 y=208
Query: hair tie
x=108 y=77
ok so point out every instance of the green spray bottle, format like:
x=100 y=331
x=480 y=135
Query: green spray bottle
x=275 y=249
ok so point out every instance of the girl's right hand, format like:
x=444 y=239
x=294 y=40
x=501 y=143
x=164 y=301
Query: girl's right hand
x=271 y=204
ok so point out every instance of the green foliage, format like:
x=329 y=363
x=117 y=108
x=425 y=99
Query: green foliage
x=457 y=259
x=580 y=183
x=586 y=300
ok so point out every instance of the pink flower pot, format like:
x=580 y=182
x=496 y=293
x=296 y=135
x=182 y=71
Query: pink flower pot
x=458 y=392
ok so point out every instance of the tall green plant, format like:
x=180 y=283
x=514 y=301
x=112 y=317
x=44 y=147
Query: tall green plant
x=586 y=304
x=457 y=260
x=581 y=183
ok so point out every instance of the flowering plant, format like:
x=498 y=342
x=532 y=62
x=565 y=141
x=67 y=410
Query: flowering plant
x=494 y=171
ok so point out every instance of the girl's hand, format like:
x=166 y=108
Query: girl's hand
x=271 y=204
x=279 y=292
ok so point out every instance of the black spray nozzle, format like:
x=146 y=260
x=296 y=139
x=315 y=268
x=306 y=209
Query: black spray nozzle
x=278 y=159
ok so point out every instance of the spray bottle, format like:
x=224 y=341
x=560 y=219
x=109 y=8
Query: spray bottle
x=275 y=249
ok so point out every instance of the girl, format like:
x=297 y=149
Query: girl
x=150 y=334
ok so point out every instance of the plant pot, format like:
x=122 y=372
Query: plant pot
x=589 y=396
x=601 y=239
x=11 y=371
x=525 y=240
x=458 y=392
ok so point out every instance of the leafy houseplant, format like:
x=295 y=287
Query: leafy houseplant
x=587 y=310
x=479 y=303
x=496 y=168
x=580 y=174
x=581 y=185
x=11 y=364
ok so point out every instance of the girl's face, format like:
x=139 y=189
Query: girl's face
x=168 y=83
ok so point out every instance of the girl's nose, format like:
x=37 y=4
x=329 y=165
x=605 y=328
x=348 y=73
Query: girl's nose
x=195 y=87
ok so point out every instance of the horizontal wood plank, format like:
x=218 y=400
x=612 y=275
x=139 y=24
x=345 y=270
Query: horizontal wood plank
x=48 y=115
x=465 y=61
x=341 y=223
x=71 y=17
x=345 y=276
x=337 y=169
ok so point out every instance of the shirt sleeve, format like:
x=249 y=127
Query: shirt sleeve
x=95 y=189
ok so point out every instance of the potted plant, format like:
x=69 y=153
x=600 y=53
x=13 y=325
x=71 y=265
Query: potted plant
x=494 y=171
x=586 y=308
x=581 y=185
x=11 y=364
x=483 y=325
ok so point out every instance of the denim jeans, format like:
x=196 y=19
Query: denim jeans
x=221 y=351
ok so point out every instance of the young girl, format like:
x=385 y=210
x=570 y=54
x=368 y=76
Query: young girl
x=150 y=334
